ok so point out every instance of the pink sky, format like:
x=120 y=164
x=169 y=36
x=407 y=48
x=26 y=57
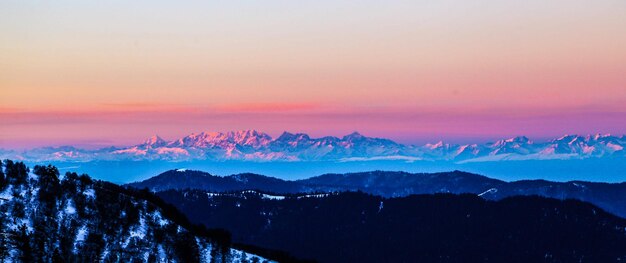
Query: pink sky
x=126 y=126
x=415 y=71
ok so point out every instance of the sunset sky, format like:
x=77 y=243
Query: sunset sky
x=99 y=73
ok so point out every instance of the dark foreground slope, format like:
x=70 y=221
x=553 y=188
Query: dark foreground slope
x=44 y=218
x=358 y=227
x=397 y=184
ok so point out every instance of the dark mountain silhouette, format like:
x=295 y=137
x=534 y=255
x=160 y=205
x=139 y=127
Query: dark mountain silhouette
x=183 y=179
x=358 y=227
x=397 y=184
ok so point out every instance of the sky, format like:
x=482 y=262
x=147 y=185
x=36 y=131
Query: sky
x=100 y=73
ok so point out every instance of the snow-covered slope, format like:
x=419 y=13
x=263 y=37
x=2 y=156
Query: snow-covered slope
x=258 y=146
x=74 y=219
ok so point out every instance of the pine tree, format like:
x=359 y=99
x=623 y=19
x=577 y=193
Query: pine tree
x=49 y=183
x=56 y=257
x=2 y=179
x=16 y=172
x=21 y=239
x=4 y=247
x=186 y=247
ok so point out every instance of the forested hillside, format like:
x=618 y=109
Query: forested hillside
x=358 y=227
x=48 y=218
x=608 y=196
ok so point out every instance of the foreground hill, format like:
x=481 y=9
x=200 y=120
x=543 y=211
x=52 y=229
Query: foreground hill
x=44 y=218
x=397 y=184
x=358 y=227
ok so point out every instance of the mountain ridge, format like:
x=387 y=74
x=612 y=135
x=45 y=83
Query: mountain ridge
x=608 y=196
x=252 y=145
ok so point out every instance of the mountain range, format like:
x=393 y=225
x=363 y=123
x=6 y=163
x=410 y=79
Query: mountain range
x=608 y=196
x=382 y=216
x=253 y=145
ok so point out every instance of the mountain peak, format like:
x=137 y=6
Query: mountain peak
x=598 y=136
x=287 y=136
x=249 y=137
x=514 y=140
x=354 y=135
x=439 y=144
x=154 y=141
x=246 y=133
x=521 y=139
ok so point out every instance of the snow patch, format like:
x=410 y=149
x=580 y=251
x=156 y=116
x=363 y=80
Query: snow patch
x=159 y=220
x=313 y=196
x=614 y=147
x=490 y=191
x=139 y=231
x=90 y=193
x=82 y=234
x=6 y=195
x=69 y=209
x=273 y=197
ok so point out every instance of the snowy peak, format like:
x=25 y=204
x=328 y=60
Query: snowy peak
x=591 y=145
x=599 y=136
x=437 y=145
x=357 y=140
x=290 y=137
x=517 y=145
x=519 y=140
x=203 y=139
x=154 y=142
x=224 y=140
x=353 y=136
x=290 y=141
x=249 y=138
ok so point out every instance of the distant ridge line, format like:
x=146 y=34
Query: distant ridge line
x=252 y=145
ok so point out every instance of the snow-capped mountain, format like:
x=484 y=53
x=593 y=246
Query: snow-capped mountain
x=597 y=145
x=518 y=145
x=154 y=142
x=258 y=146
x=229 y=140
